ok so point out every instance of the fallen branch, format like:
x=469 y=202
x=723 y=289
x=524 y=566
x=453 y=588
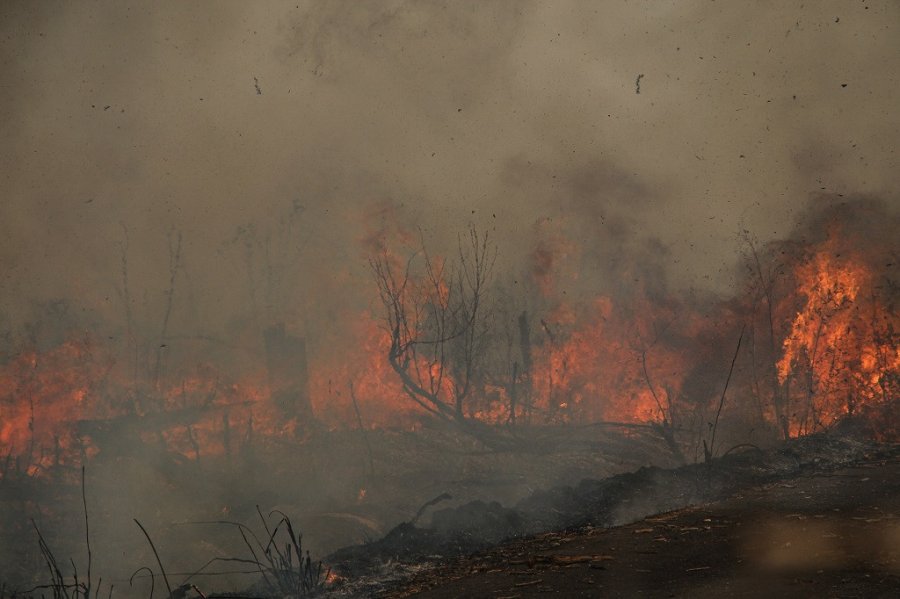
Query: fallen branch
x=428 y=504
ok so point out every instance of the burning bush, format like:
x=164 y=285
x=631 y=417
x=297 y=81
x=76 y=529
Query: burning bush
x=456 y=341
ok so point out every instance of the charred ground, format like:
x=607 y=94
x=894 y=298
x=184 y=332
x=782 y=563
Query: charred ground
x=597 y=505
x=817 y=531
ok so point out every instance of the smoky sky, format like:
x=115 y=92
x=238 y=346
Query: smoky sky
x=271 y=133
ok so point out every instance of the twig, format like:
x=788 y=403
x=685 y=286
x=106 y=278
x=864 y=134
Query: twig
x=152 y=579
x=155 y=553
x=57 y=580
x=87 y=537
x=174 y=265
x=741 y=446
x=362 y=430
x=244 y=531
x=709 y=451
x=427 y=504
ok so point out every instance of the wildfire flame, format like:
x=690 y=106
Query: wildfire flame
x=841 y=353
x=632 y=358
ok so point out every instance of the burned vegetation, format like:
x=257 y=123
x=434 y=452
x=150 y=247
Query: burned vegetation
x=456 y=406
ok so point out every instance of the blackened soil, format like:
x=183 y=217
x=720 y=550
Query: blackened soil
x=817 y=534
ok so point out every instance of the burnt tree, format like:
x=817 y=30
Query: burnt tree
x=288 y=373
x=436 y=315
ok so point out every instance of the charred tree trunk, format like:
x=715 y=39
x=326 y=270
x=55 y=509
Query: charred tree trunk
x=525 y=375
x=288 y=374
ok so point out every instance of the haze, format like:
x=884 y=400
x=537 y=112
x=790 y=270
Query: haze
x=316 y=124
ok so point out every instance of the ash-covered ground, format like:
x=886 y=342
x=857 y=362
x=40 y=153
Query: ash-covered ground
x=826 y=528
x=339 y=488
x=378 y=528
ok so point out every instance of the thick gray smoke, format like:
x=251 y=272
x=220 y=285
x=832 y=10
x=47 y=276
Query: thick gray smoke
x=239 y=122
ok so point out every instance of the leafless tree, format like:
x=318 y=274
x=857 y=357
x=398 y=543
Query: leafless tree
x=437 y=317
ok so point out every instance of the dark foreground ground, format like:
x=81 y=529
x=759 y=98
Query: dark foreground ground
x=834 y=534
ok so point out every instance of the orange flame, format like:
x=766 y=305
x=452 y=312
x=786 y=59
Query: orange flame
x=841 y=353
x=836 y=335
